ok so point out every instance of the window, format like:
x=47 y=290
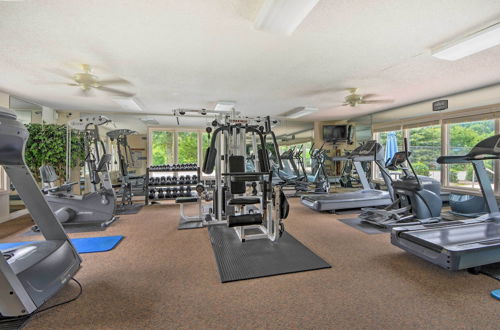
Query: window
x=382 y=139
x=187 y=147
x=425 y=147
x=306 y=156
x=461 y=138
x=162 y=148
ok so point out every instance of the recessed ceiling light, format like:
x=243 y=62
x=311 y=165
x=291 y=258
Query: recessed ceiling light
x=283 y=16
x=300 y=112
x=128 y=103
x=224 y=106
x=470 y=44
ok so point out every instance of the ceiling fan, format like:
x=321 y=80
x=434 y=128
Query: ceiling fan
x=87 y=81
x=353 y=99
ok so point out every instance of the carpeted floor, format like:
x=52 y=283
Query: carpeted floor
x=159 y=277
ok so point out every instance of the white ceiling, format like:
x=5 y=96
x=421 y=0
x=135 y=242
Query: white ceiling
x=192 y=53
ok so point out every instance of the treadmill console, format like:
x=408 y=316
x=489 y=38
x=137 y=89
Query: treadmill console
x=369 y=148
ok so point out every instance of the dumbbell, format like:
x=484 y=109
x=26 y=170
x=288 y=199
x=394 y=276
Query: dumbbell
x=168 y=193
x=194 y=179
x=157 y=181
x=174 y=180
x=151 y=181
x=163 y=180
x=169 y=180
x=188 y=191
x=181 y=191
x=160 y=193
x=151 y=194
x=187 y=179
x=181 y=179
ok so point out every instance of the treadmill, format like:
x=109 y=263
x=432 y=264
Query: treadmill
x=30 y=274
x=367 y=197
x=463 y=244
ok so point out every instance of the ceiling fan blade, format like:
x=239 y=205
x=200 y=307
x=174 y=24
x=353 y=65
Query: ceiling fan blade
x=115 y=91
x=376 y=101
x=61 y=73
x=116 y=81
x=369 y=96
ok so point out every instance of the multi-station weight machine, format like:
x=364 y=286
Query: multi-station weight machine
x=244 y=200
x=130 y=185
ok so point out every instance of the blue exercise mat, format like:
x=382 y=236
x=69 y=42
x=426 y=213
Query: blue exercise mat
x=495 y=294
x=82 y=245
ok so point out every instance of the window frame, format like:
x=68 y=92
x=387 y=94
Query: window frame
x=405 y=127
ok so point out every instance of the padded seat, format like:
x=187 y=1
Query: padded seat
x=245 y=220
x=244 y=201
x=182 y=200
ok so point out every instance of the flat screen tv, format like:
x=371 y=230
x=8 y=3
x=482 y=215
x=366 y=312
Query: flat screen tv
x=333 y=133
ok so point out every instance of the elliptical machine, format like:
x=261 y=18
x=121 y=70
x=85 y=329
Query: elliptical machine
x=319 y=178
x=417 y=198
x=130 y=185
x=96 y=207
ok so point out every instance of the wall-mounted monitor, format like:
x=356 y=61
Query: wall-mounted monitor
x=336 y=133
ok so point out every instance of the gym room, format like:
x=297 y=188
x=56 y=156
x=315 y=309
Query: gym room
x=249 y=164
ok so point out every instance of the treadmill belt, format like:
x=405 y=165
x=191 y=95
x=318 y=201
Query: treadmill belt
x=492 y=270
x=128 y=209
x=364 y=227
x=259 y=258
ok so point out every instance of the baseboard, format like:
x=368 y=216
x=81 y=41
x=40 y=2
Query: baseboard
x=14 y=215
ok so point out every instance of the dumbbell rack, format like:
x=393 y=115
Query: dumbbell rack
x=175 y=172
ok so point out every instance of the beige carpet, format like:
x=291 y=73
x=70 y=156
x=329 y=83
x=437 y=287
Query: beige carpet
x=159 y=277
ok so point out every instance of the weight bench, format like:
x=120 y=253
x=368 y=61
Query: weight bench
x=193 y=221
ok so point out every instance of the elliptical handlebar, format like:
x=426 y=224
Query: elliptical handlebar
x=407 y=154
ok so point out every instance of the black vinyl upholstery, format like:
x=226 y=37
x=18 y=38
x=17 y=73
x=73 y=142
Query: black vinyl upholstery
x=245 y=220
x=237 y=165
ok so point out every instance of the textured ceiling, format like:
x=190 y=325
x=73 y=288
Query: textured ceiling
x=192 y=53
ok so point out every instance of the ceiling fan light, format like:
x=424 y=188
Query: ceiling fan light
x=283 y=16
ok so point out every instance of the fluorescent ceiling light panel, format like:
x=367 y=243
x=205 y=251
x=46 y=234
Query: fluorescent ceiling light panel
x=303 y=111
x=224 y=106
x=283 y=16
x=471 y=44
x=128 y=103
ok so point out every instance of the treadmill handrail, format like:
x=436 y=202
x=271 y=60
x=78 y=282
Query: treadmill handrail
x=464 y=158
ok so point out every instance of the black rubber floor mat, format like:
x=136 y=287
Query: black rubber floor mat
x=71 y=229
x=492 y=270
x=128 y=209
x=14 y=323
x=364 y=227
x=190 y=225
x=259 y=258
